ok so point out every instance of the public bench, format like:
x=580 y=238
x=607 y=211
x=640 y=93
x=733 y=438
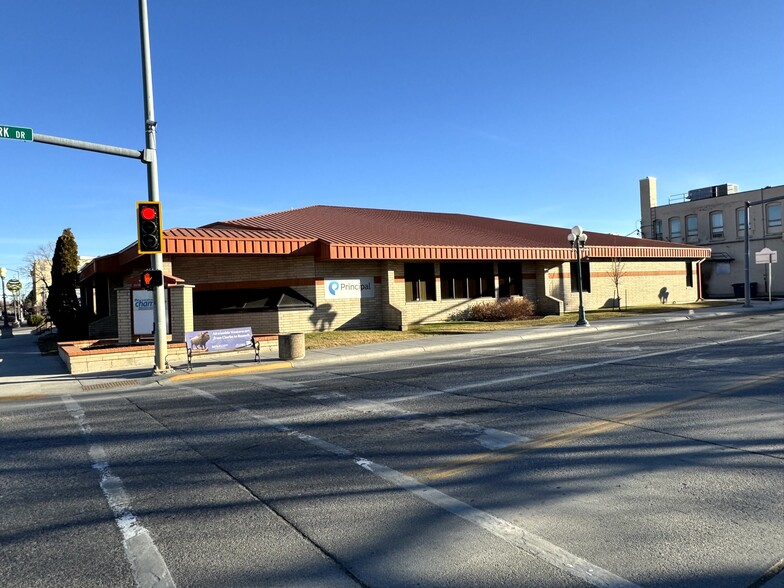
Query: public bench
x=220 y=341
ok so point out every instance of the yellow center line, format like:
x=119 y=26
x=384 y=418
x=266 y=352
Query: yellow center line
x=572 y=434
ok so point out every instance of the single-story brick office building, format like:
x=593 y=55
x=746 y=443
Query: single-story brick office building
x=328 y=267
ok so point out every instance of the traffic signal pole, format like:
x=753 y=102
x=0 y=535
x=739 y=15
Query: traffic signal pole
x=148 y=157
x=151 y=159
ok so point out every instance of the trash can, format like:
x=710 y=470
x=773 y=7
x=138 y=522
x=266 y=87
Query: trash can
x=740 y=290
x=291 y=346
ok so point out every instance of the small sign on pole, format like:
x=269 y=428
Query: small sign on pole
x=769 y=256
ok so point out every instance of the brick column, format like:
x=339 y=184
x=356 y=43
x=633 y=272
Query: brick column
x=181 y=309
x=124 y=316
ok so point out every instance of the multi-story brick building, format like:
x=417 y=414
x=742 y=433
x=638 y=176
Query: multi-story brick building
x=325 y=267
x=715 y=217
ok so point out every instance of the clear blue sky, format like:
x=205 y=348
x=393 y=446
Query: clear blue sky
x=538 y=111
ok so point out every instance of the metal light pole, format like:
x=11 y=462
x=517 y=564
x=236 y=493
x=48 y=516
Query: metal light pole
x=577 y=239
x=151 y=159
x=5 y=314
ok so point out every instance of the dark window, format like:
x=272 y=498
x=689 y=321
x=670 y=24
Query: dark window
x=585 y=269
x=689 y=275
x=510 y=279
x=467 y=280
x=420 y=281
x=248 y=300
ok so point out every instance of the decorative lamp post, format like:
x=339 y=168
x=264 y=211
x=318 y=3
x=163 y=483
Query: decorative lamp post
x=5 y=314
x=577 y=239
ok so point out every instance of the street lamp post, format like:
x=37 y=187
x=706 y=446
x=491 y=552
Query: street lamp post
x=5 y=314
x=577 y=239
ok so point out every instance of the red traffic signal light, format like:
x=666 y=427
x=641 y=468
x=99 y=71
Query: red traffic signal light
x=149 y=227
x=151 y=278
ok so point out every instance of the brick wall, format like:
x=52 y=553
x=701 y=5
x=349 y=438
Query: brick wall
x=549 y=284
x=641 y=283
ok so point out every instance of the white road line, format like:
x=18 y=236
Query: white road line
x=148 y=567
x=512 y=534
x=587 y=366
x=486 y=437
x=517 y=536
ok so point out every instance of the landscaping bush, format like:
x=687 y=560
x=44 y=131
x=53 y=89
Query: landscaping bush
x=35 y=320
x=503 y=309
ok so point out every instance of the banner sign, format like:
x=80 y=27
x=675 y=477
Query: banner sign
x=356 y=288
x=144 y=312
x=219 y=339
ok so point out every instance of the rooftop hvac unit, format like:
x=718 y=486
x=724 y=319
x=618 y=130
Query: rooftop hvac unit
x=713 y=191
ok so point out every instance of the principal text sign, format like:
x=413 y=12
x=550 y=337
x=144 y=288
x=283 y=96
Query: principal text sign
x=355 y=288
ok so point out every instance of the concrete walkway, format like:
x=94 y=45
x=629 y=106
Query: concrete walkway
x=25 y=373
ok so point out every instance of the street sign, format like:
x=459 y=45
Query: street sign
x=766 y=255
x=20 y=133
x=13 y=285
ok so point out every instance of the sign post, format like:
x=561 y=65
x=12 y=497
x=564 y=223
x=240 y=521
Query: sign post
x=767 y=255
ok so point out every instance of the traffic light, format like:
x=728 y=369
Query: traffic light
x=150 y=227
x=151 y=278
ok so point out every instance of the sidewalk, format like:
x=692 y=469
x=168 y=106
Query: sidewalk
x=25 y=373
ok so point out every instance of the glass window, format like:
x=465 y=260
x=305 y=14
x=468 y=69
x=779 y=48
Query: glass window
x=689 y=274
x=675 y=229
x=740 y=217
x=467 y=280
x=657 y=230
x=774 y=218
x=691 y=226
x=510 y=279
x=585 y=274
x=717 y=225
x=243 y=300
x=420 y=281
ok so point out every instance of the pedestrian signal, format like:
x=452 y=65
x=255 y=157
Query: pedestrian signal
x=151 y=278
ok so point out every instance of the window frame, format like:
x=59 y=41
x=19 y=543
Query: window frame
x=671 y=224
x=740 y=227
x=420 y=281
x=467 y=280
x=773 y=225
x=585 y=274
x=716 y=230
x=692 y=232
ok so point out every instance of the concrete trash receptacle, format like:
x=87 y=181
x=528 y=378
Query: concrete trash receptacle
x=291 y=346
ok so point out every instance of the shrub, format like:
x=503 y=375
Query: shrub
x=35 y=320
x=503 y=309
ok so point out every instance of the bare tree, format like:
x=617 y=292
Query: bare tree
x=617 y=273
x=38 y=263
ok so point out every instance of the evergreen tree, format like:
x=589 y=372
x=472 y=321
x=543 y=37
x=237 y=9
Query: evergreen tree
x=63 y=304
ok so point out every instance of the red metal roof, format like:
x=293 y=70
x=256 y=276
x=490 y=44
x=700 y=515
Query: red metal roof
x=367 y=233
x=338 y=232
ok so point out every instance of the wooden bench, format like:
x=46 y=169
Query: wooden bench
x=221 y=341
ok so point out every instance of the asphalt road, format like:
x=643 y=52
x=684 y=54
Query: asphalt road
x=648 y=457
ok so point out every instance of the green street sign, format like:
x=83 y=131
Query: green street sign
x=20 y=133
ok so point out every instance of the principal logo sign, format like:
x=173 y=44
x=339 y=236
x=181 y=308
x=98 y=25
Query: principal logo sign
x=356 y=288
x=143 y=312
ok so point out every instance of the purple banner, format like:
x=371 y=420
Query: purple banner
x=219 y=339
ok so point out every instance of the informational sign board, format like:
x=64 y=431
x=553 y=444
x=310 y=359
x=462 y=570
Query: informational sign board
x=766 y=255
x=144 y=312
x=354 y=288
